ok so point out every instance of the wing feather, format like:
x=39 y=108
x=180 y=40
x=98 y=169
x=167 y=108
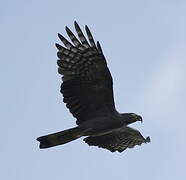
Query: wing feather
x=87 y=85
x=74 y=39
x=99 y=47
x=90 y=37
x=118 y=140
x=81 y=35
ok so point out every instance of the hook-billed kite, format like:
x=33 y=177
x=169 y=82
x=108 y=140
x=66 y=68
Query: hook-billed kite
x=87 y=90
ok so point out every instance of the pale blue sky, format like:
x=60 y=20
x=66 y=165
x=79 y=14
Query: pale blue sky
x=145 y=46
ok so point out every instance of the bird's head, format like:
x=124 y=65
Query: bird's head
x=131 y=118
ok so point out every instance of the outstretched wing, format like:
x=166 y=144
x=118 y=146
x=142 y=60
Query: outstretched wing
x=118 y=140
x=87 y=83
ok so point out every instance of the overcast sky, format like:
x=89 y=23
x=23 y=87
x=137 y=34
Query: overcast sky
x=145 y=46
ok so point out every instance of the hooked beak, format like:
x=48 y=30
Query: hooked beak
x=140 y=119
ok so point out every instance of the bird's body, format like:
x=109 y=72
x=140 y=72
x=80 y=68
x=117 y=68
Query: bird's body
x=97 y=126
x=87 y=89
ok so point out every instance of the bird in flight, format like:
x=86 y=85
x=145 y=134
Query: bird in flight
x=87 y=89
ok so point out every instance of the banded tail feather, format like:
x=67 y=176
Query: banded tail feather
x=59 y=138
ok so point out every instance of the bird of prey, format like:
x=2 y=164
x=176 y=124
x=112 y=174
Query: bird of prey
x=87 y=89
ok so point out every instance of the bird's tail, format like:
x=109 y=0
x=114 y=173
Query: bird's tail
x=59 y=138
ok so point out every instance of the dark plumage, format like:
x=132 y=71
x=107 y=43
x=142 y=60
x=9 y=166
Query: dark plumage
x=87 y=89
